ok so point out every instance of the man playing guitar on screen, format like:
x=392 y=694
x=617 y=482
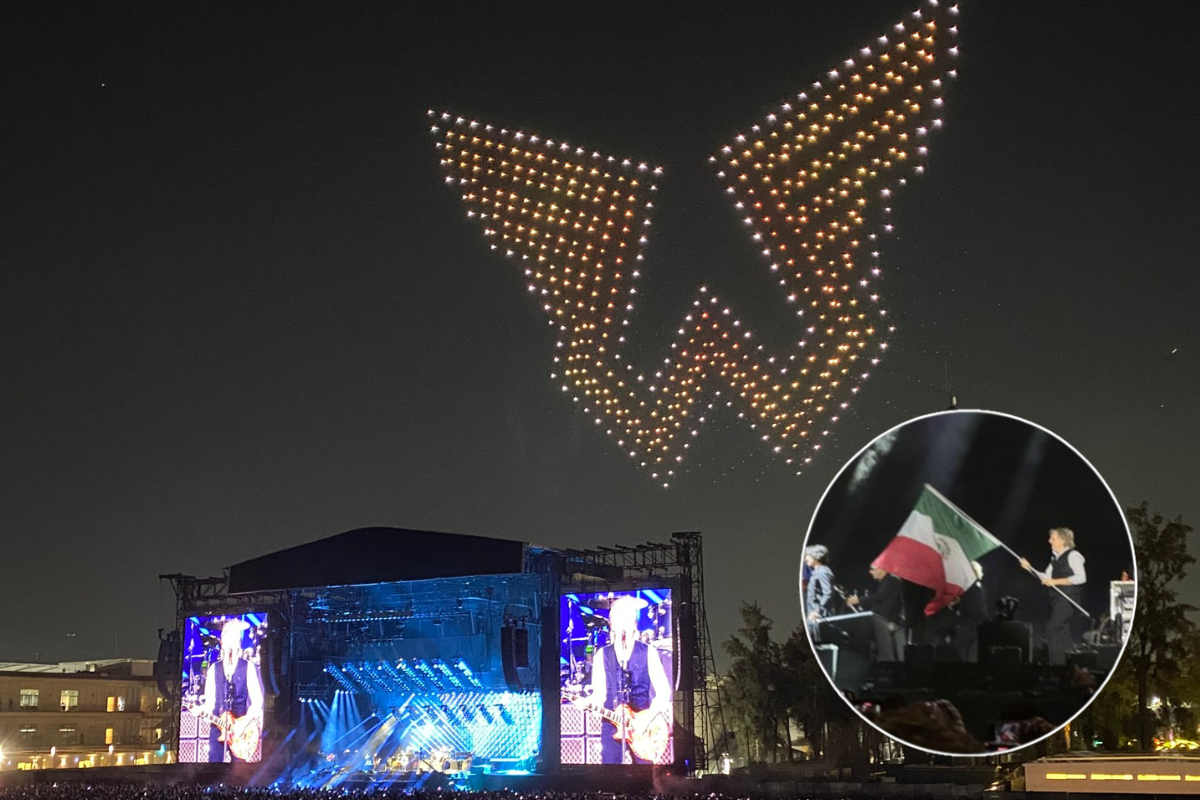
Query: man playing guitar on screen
x=233 y=698
x=628 y=678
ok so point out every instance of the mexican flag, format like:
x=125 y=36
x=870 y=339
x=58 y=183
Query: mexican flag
x=935 y=548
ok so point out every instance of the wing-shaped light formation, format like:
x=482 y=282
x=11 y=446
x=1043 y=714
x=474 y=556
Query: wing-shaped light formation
x=813 y=182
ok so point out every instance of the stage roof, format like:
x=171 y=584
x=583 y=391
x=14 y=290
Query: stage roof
x=377 y=555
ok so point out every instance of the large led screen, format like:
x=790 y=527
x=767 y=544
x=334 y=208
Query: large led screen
x=221 y=719
x=617 y=677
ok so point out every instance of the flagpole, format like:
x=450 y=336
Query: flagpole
x=1014 y=553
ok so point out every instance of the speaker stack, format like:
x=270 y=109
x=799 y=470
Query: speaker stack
x=514 y=654
x=998 y=639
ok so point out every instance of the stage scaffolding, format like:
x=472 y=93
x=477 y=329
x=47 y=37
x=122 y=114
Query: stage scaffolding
x=679 y=562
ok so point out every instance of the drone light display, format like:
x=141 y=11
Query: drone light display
x=813 y=182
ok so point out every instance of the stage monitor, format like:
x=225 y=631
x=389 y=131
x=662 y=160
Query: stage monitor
x=616 y=667
x=221 y=719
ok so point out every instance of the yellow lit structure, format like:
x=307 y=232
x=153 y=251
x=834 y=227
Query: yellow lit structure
x=813 y=183
x=1114 y=774
x=107 y=712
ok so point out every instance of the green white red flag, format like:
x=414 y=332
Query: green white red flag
x=935 y=548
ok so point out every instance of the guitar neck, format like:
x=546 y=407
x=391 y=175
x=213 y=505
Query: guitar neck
x=611 y=716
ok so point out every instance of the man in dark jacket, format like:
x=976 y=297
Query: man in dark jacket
x=887 y=601
x=972 y=611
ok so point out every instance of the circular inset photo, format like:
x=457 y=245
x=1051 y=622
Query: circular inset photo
x=968 y=583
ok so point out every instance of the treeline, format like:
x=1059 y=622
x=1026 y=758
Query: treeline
x=1154 y=695
x=775 y=695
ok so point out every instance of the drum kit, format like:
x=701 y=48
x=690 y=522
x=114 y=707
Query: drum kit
x=440 y=759
x=406 y=762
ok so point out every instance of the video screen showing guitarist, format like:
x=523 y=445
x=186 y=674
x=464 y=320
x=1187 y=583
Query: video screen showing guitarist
x=630 y=690
x=232 y=700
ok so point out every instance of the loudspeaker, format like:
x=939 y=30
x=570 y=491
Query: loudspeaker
x=1005 y=658
x=1006 y=634
x=828 y=654
x=920 y=655
x=1107 y=655
x=508 y=656
x=270 y=662
x=521 y=647
x=168 y=667
x=1101 y=657
x=847 y=667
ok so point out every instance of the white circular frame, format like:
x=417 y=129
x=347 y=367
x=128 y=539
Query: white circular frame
x=1124 y=522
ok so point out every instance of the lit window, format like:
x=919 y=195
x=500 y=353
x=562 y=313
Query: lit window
x=112 y=704
x=120 y=704
x=160 y=703
x=68 y=699
x=29 y=698
x=29 y=729
x=67 y=733
x=108 y=735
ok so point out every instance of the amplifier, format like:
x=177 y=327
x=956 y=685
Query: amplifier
x=847 y=668
x=1006 y=634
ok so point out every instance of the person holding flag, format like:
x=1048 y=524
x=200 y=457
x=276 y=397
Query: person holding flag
x=938 y=542
x=1067 y=575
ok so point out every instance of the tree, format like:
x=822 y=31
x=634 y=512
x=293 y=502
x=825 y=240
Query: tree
x=803 y=697
x=769 y=686
x=755 y=674
x=1162 y=631
x=834 y=730
x=1112 y=718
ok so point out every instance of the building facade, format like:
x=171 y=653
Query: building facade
x=82 y=714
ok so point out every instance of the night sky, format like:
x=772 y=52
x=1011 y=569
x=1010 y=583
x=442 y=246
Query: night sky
x=239 y=309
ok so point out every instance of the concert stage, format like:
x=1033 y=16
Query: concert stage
x=406 y=659
x=1006 y=699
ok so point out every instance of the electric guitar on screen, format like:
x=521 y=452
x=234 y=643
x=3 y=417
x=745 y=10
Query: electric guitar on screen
x=648 y=732
x=242 y=734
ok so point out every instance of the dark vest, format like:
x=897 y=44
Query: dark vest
x=232 y=695
x=1060 y=568
x=630 y=685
